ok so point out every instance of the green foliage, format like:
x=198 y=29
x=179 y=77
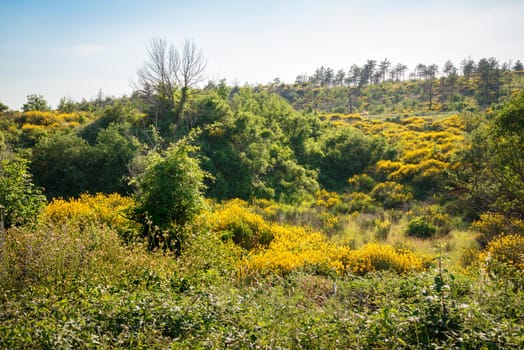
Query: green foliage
x=422 y=311
x=112 y=152
x=492 y=178
x=361 y=202
x=391 y=195
x=361 y=183
x=253 y=146
x=344 y=152
x=504 y=259
x=420 y=228
x=492 y=225
x=66 y=165
x=507 y=155
x=169 y=195
x=20 y=200
x=3 y=145
x=66 y=105
x=235 y=221
x=121 y=113
x=35 y=103
x=3 y=108
x=60 y=163
x=211 y=107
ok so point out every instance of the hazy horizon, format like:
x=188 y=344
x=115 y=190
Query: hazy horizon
x=63 y=48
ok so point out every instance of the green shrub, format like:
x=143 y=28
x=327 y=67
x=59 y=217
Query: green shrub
x=361 y=202
x=361 y=183
x=391 y=194
x=20 y=200
x=234 y=220
x=169 y=196
x=421 y=228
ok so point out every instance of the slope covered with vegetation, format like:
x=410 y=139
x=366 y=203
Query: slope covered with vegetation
x=285 y=216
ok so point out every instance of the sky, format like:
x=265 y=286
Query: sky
x=58 y=48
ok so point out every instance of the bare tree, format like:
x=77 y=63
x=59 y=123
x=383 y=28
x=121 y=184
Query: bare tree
x=158 y=73
x=189 y=72
x=167 y=70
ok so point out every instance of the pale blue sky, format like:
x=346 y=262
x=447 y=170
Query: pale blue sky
x=74 y=48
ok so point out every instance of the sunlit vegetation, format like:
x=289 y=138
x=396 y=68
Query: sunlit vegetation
x=226 y=217
x=380 y=87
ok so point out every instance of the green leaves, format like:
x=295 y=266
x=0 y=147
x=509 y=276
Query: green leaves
x=35 y=103
x=253 y=149
x=169 y=195
x=66 y=165
x=504 y=157
x=20 y=200
x=345 y=152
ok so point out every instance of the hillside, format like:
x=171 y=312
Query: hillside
x=471 y=90
x=307 y=215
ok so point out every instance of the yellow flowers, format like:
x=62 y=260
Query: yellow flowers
x=505 y=250
x=43 y=120
x=492 y=225
x=100 y=208
x=273 y=248
x=236 y=221
x=327 y=199
x=297 y=248
x=292 y=248
x=338 y=116
x=376 y=257
x=427 y=146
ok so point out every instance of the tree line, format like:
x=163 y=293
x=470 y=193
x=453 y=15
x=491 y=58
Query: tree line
x=375 y=72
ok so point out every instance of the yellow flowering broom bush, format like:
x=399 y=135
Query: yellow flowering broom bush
x=378 y=257
x=234 y=220
x=293 y=248
x=100 y=208
x=297 y=248
x=51 y=119
x=503 y=255
x=491 y=225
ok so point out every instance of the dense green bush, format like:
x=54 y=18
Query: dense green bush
x=66 y=165
x=169 y=195
x=344 y=152
x=20 y=200
x=391 y=195
x=419 y=227
x=253 y=148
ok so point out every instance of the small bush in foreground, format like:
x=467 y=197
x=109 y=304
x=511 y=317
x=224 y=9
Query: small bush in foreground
x=169 y=196
x=20 y=200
